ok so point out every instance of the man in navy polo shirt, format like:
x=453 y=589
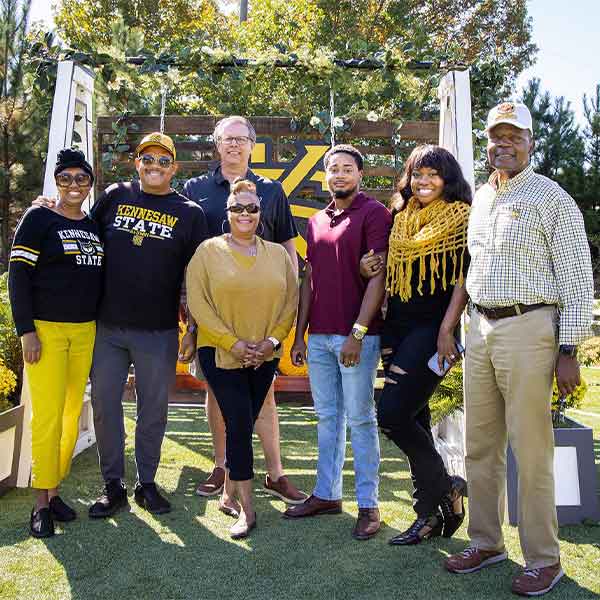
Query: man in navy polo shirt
x=342 y=310
x=234 y=138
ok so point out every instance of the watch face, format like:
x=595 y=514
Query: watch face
x=358 y=334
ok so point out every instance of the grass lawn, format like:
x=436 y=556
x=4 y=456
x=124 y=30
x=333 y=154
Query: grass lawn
x=188 y=553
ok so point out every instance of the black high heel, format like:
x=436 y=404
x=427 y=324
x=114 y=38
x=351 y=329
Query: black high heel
x=452 y=520
x=411 y=535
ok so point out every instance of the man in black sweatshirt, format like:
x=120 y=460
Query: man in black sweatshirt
x=150 y=232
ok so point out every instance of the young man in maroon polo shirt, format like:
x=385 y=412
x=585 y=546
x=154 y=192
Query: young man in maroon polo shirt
x=342 y=310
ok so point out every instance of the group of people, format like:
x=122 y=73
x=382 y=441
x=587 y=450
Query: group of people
x=378 y=285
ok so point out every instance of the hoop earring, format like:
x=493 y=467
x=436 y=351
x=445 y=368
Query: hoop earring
x=262 y=231
x=223 y=226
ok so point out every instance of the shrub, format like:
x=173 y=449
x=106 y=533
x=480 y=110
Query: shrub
x=448 y=396
x=588 y=352
x=8 y=384
x=10 y=345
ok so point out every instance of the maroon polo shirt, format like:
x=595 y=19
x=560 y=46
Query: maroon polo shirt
x=335 y=245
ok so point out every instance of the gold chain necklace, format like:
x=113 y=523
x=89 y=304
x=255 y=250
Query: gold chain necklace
x=251 y=250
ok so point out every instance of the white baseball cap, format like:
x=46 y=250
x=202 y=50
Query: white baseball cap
x=513 y=113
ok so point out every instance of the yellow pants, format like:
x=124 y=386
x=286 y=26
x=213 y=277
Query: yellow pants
x=56 y=386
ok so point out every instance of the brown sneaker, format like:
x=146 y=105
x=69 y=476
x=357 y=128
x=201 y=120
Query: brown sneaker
x=283 y=488
x=314 y=506
x=536 y=582
x=214 y=484
x=473 y=559
x=367 y=523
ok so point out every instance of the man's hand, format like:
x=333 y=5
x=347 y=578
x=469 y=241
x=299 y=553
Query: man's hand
x=298 y=352
x=187 y=348
x=44 y=201
x=240 y=350
x=371 y=264
x=567 y=374
x=32 y=347
x=350 y=354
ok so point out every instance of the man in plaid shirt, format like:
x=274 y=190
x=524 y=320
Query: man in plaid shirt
x=531 y=287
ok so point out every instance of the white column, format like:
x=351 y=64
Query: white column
x=71 y=125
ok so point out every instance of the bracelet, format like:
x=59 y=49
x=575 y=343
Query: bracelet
x=360 y=327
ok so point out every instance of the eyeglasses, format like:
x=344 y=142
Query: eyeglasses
x=163 y=161
x=238 y=209
x=240 y=140
x=65 y=180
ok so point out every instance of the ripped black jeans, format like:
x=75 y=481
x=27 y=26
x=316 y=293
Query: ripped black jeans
x=403 y=411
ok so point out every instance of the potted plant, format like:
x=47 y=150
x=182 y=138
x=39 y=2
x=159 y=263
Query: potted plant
x=11 y=413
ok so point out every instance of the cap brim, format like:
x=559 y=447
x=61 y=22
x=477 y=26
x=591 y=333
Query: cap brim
x=508 y=122
x=148 y=144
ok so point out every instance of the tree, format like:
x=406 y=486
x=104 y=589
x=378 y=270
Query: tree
x=591 y=109
x=16 y=113
x=559 y=149
x=491 y=35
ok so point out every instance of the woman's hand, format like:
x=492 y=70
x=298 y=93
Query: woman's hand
x=240 y=350
x=298 y=352
x=446 y=347
x=32 y=347
x=44 y=201
x=187 y=348
x=371 y=264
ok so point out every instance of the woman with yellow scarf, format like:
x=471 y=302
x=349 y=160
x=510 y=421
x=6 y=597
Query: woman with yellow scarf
x=426 y=268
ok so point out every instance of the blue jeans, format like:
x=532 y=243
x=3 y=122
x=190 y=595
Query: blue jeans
x=345 y=394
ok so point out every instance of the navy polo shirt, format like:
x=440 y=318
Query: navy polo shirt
x=211 y=191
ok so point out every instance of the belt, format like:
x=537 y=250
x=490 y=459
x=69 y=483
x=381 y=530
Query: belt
x=502 y=312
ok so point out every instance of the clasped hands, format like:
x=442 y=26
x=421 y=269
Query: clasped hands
x=253 y=354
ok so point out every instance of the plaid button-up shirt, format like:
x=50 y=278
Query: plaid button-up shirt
x=528 y=245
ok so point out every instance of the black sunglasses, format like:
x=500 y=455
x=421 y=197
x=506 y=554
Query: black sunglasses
x=238 y=209
x=163 y=161
x=65 y=180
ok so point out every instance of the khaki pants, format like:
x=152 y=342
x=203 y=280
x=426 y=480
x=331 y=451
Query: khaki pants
x=509 y=370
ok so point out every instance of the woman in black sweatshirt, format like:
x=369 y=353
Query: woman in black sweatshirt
x=55 y=279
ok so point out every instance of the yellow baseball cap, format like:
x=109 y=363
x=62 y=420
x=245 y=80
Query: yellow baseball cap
x=157 y=139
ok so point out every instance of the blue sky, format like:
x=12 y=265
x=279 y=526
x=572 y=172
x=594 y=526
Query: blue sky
x=567 y=33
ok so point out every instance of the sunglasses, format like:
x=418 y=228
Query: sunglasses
x=238 y=209
x=163 y=161
x=65 y=180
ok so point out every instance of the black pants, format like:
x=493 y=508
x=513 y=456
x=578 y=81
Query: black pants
x=403 y=413
x=240 y=394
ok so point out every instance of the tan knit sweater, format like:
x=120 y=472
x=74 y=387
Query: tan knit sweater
x=235 y=297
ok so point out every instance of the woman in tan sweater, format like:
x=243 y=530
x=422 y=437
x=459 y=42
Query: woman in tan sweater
x=243 y=293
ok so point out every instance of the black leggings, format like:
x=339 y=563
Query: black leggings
x=240 y=394
x=403 y=413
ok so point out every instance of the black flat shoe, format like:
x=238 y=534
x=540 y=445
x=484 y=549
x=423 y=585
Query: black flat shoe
x=113 y=498
x=148 y=497
x=61 y=511
x=413 y=534
x=452 y=520
x=41 y=524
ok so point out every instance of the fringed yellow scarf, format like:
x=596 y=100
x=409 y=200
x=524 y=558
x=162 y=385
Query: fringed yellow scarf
x=433 y=231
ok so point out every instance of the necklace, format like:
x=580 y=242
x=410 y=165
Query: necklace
x=249 y=250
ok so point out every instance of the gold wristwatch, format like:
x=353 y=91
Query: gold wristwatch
x=359 y=331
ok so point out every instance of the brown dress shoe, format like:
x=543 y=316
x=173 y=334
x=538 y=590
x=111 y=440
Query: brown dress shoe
x=283 y=488
x=535 y=582
x=473 y=559
x=367 y=523
x=214 y=484
x=314 y=506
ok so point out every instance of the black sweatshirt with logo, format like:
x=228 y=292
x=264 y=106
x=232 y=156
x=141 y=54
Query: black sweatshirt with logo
x=55 y=269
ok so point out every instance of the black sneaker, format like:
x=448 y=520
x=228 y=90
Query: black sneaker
x=113 y=498
x=149 y=498
x=61 y=511
x=41 y=524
